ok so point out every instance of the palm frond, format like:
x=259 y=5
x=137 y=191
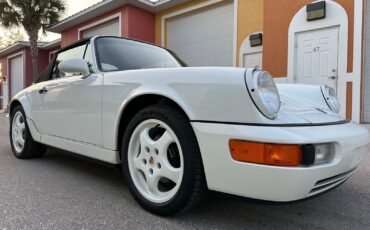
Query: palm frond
x=33 y=15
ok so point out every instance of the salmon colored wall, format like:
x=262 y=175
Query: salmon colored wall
x=4 y=67
x=52 y=51
x=349 y=92
x=141 y=24
x=70 y=35
x=29 y=69
x=43 y=61
x=136 y=23
x=277 y=18
x=2 y=74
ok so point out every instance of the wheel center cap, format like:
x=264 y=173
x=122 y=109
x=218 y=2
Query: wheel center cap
x=151 y=160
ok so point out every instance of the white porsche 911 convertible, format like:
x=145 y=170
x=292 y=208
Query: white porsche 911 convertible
x=178 y=131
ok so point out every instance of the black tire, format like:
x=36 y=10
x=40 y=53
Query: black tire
x=31 y=148
x=193 y=185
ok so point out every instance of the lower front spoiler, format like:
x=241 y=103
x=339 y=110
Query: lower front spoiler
x=272 y=183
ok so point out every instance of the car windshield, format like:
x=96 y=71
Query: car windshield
x=116 y=54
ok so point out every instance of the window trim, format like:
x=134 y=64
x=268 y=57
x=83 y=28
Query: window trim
x=77 y=44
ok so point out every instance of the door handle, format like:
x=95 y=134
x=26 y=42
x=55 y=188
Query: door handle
x=333 y=77
x=44 y=90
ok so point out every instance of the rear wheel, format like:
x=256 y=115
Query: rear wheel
x=23 y=146
x=161 y=161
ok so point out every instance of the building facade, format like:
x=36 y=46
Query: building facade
x=326 y=51
x=16 y=71
x=277 y=35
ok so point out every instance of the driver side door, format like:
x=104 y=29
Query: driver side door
x=68 y=106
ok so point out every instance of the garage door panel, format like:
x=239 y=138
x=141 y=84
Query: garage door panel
x=16 y=74
x=366 y=101
x=110 y=29
x=203 y=38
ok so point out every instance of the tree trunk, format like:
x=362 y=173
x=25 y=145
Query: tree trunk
x=33 y=37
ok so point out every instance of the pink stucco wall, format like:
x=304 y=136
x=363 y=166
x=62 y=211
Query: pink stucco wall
x=141 y=24
x=136 y=23
x=43 y=61
x=3 y=74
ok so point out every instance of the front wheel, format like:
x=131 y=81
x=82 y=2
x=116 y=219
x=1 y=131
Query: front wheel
x=23 y=146
x=161 y=161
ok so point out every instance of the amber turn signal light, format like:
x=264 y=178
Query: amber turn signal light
x=267 y=154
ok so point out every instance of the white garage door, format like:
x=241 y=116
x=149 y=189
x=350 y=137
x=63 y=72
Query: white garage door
x=110 y=28
x=16 y=74
x=203 y=38
x=366 y=100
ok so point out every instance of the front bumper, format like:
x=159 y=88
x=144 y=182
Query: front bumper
x=274 y=183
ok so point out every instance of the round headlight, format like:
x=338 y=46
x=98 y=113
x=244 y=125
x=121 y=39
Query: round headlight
x=264 y=93
x=330 y=98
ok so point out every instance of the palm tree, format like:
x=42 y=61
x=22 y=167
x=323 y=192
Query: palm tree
x=33 y=15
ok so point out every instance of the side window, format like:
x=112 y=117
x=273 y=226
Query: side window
x=76 y=52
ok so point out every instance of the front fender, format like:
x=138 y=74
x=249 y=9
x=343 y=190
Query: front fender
x=143 y=90
x=204 y=94
x=160 y=90
x=23 y=98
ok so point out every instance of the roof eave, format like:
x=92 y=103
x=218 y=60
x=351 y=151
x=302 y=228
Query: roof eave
x=91 y=12
x=52 y=44
x=24 y=44
x=106 y=6
x=12 y=49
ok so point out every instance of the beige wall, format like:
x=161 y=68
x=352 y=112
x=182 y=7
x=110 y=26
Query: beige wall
x=250 y=20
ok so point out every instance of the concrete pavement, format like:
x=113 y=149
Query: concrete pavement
x=61 y=191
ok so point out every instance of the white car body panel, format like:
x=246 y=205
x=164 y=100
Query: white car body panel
x=200 y=92
x=208 y=94
x=277 y=183
x=82 y=115
x=69 y=108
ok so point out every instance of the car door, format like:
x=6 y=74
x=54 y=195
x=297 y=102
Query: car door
x=68 y=105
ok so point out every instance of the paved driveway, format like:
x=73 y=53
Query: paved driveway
x=60 y=191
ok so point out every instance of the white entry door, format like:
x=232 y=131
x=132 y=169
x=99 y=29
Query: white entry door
x=252 y=60
x=16 y=74
x=317 y=57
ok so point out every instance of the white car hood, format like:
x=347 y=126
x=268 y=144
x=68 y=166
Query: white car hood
x=304 y=104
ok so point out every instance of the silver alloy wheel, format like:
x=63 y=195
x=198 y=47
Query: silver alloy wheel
x=18 y=131
x=155 y=161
